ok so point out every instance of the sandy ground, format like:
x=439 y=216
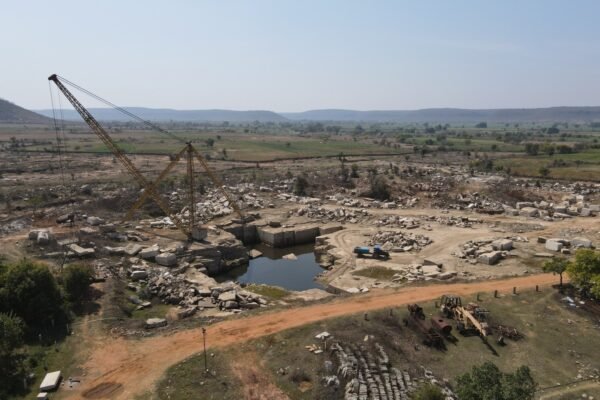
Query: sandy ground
x=448 y=239
x=120 y=368
x=257 y=384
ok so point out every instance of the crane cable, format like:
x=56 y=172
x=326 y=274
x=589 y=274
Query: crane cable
x=58 y=138
x=61 y=141
x=124 y=111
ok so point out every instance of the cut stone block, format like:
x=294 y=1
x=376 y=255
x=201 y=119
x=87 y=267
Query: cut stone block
x=95 y=221
x=137 y=275
x=80 y=251
x=43 y=237
x=554 y=245
x=490 y=258
x=166 y=259
x=581 y=242
x=152 y=323
x=502 y=244
x=149 y=252
x=529 y=212
x=132 y=249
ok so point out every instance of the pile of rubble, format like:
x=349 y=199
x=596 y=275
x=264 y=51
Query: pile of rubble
x=219 y=252
x=192 y=297
x=426 y=271
x=298 y=199
x=459 y=222
x=370 y=375
x=585 y=188
x=570 y=206
x=337 y=214
x=400 y=202
x=215 y=204
x=398 y=241
x=472 y=201
x=398 y=221
x=349 y=201
x=488 y=252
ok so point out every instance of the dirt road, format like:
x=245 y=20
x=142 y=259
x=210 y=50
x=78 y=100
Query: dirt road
x=121 y=369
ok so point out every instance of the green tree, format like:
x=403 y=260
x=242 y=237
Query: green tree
x=428 y=391
x=556 y=266
x=210 y=142
x=532 y=149
x=380 y=189
x=595 y=287
x=520 y=385
x=544 y=171
x=300 y=186
x=487 y=382
x=76 y=281
x=482 y=383
x=12 y=368
x=30 y=291
x=354 y=173
x=584 y=270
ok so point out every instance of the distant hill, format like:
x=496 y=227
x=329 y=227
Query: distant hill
x=454 y=115
x=164 y=114
x=13 y=114
x=430 y=115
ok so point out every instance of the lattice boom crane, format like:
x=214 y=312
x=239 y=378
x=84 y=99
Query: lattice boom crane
x=89 y=119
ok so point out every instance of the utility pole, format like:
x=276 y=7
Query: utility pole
x=204 y=341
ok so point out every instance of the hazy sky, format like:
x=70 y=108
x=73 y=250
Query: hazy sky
x=297 y=55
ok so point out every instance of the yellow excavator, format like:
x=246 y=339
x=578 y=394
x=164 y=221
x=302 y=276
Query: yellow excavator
x=469 y=318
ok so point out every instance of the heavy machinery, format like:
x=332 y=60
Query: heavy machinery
x=469 y=318
x=377 y=252
x=189 y=227
x=417 y=318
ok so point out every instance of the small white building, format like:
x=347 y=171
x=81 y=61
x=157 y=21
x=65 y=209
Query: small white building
x=50 y=382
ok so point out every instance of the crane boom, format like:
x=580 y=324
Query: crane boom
x=144 y=196
x=118 y=153
x=219 y=184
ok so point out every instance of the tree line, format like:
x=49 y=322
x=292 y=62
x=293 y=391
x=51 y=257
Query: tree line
x=35 y=307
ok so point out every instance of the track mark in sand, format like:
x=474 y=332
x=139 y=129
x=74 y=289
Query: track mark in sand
x=104 y=390
x=233 y=331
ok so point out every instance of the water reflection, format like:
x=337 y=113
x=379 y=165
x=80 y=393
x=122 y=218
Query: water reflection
x=271 y=269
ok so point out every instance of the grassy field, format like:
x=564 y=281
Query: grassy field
x=230 y=147
x=560 y=345
x=381 y=273
x=271 y=292
x=188 y=380
x=583 y=166
x=478 y=144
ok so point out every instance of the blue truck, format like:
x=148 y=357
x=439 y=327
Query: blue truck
x=377 y=252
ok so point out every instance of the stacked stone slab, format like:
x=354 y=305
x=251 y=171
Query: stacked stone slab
x=369 y=374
